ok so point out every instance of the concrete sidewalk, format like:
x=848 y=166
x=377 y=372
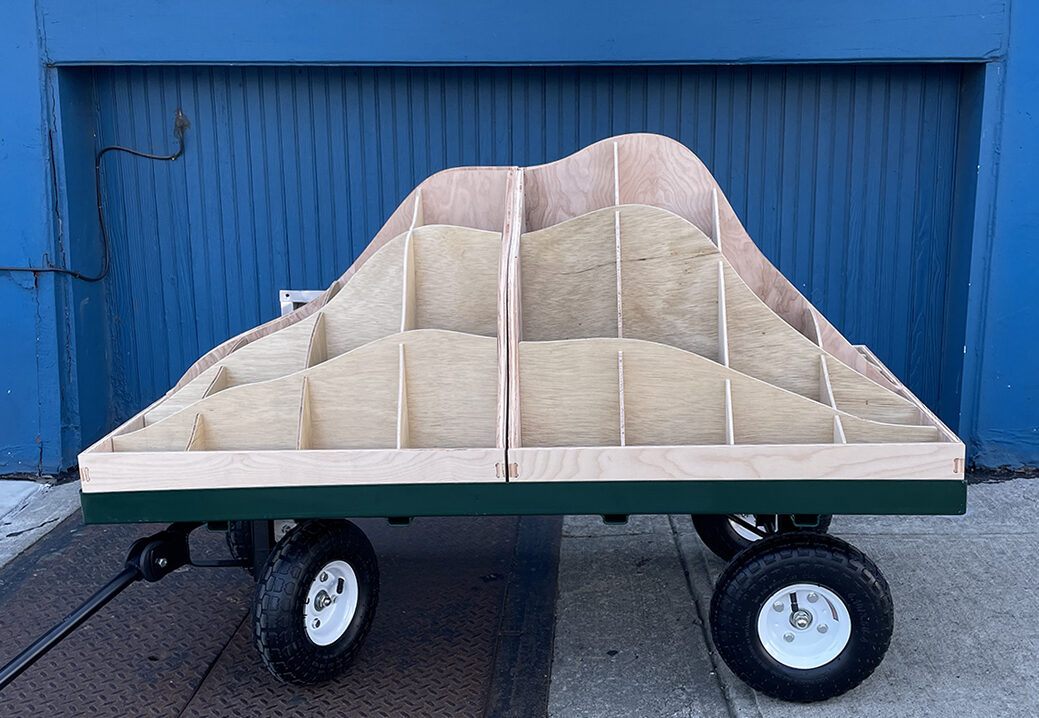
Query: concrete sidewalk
x=631 y=637
x=30 y=509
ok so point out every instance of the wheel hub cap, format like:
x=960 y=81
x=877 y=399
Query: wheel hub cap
x=801 y=638
x=801 y=619
x=331 y=603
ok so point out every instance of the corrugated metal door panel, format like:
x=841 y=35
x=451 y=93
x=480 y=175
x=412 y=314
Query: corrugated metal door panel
x=842 y=174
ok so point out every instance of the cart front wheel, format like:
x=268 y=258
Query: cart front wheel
x=728 y=534
x=802 y=617
x=315 y=601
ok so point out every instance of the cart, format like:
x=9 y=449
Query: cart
x=598 y=335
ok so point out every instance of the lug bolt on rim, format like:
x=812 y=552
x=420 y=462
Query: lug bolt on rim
x=788 y=637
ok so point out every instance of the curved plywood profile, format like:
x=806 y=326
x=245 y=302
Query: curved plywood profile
x=604 y=315
x=453 y=273
x=672 y=278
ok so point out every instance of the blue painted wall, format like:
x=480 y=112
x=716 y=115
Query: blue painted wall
x=843 y=175
x=65 y=358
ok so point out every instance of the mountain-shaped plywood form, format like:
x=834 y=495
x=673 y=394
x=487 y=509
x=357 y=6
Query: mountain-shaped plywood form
x=604 y=316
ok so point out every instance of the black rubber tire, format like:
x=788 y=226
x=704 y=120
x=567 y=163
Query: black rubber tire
x=240 y=542
x=718 y=534
x=279 y=633
x=777 y=561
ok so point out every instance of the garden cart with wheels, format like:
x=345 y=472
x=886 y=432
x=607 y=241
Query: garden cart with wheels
x=598 y=335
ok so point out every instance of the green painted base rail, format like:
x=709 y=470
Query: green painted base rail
x=702 y=496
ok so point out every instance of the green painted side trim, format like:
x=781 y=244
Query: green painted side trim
x=822 y=496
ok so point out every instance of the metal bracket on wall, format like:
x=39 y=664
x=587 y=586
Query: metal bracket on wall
x=293 y=299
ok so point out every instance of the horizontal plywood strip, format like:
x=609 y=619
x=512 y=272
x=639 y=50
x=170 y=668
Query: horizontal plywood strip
x=104 y=472
x=794 y=462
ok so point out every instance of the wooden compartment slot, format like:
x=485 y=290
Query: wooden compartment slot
x=568 y=279
x=671 y=397
x=364 y=399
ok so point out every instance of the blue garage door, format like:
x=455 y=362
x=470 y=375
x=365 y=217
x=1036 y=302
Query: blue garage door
x=842 y=174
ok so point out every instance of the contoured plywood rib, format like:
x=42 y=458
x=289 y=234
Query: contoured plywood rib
x=580 y=315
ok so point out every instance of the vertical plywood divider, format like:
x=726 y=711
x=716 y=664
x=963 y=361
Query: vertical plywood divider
x=716 y=225
x=616 y=177
x=407 y=287
x=826 y=397
x=620 y=307
x=402 y=400
x=815 y=327
x=197 y=440
x=303 y=432
x=620 y=301
x=730 y=432
x=317 y=348
x=723 y=323
x=219 y=382
x=510 y=316
x=617 y=240
x=825 y=388
x=620 y=387
x=838 y=431
x=331 y=292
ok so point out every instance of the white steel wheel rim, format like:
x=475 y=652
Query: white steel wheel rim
x=742 y=531
x=810 y=635
x=331 y=603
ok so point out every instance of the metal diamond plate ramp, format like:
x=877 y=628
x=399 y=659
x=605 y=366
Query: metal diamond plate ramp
x=183 y=646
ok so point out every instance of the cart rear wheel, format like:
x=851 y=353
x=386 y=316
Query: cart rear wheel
x=802 y=617
x=728 y=534
x=315 y=601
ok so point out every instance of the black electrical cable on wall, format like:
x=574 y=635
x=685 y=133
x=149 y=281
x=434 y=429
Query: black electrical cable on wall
x=180 y=124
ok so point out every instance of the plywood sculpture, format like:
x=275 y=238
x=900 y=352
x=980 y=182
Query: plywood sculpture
x=604 y=317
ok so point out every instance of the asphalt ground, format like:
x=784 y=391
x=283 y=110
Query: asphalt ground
x=463 y=628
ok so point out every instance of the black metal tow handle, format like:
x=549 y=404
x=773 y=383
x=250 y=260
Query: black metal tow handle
x=150 y=559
